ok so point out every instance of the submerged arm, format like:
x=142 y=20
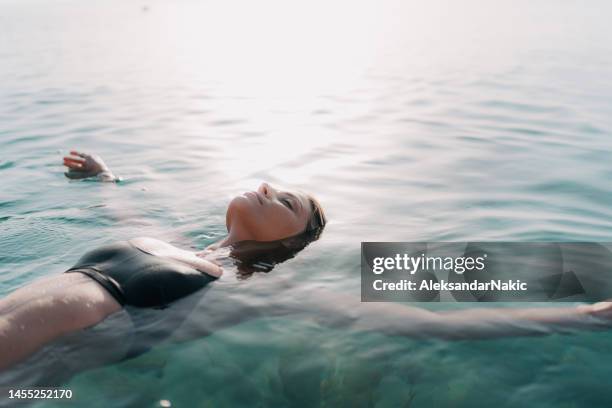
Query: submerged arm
x=514 y=322
x=226 y=308
x=341 y=311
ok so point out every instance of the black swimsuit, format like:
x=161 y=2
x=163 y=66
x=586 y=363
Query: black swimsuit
x=137 y=278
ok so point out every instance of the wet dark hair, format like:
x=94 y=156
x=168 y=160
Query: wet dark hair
x=317 y=218
x=254 y=256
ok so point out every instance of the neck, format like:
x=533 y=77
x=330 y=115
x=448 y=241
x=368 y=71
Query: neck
x=230 y=239
x=236 y=233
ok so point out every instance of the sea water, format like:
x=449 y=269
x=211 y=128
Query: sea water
x=410 y=121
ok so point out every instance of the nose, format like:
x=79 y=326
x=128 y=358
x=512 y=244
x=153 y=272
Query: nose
x=267 y=190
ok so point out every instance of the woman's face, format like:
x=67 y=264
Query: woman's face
x=267 y=214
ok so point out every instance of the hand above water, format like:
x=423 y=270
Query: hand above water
x=83 y=165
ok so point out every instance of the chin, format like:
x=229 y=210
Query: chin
x=239 y=211
x=240 y=204
x=232 y=209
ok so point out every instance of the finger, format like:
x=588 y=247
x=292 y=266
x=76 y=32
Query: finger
x=74 y=159
x=72 y=165
x=209 y=268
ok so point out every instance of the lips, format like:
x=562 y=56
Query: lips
x=254 y=194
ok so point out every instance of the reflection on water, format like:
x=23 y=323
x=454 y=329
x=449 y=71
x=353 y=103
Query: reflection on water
x=412 y=122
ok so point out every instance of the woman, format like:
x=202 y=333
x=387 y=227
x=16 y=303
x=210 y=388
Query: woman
x=146 y=272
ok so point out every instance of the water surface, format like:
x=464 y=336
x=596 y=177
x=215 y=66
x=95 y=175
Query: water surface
x=439 y=121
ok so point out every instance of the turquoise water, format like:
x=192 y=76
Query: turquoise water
x=446 y=121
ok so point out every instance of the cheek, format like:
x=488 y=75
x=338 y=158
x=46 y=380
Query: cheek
x=261 y=223
x=274 y=226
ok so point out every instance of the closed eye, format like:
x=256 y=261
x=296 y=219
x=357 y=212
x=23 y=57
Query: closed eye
x=286 y=203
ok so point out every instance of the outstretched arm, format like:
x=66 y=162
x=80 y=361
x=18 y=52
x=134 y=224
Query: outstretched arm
x=342 y=311
x=513 y=322
x=82 y=165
